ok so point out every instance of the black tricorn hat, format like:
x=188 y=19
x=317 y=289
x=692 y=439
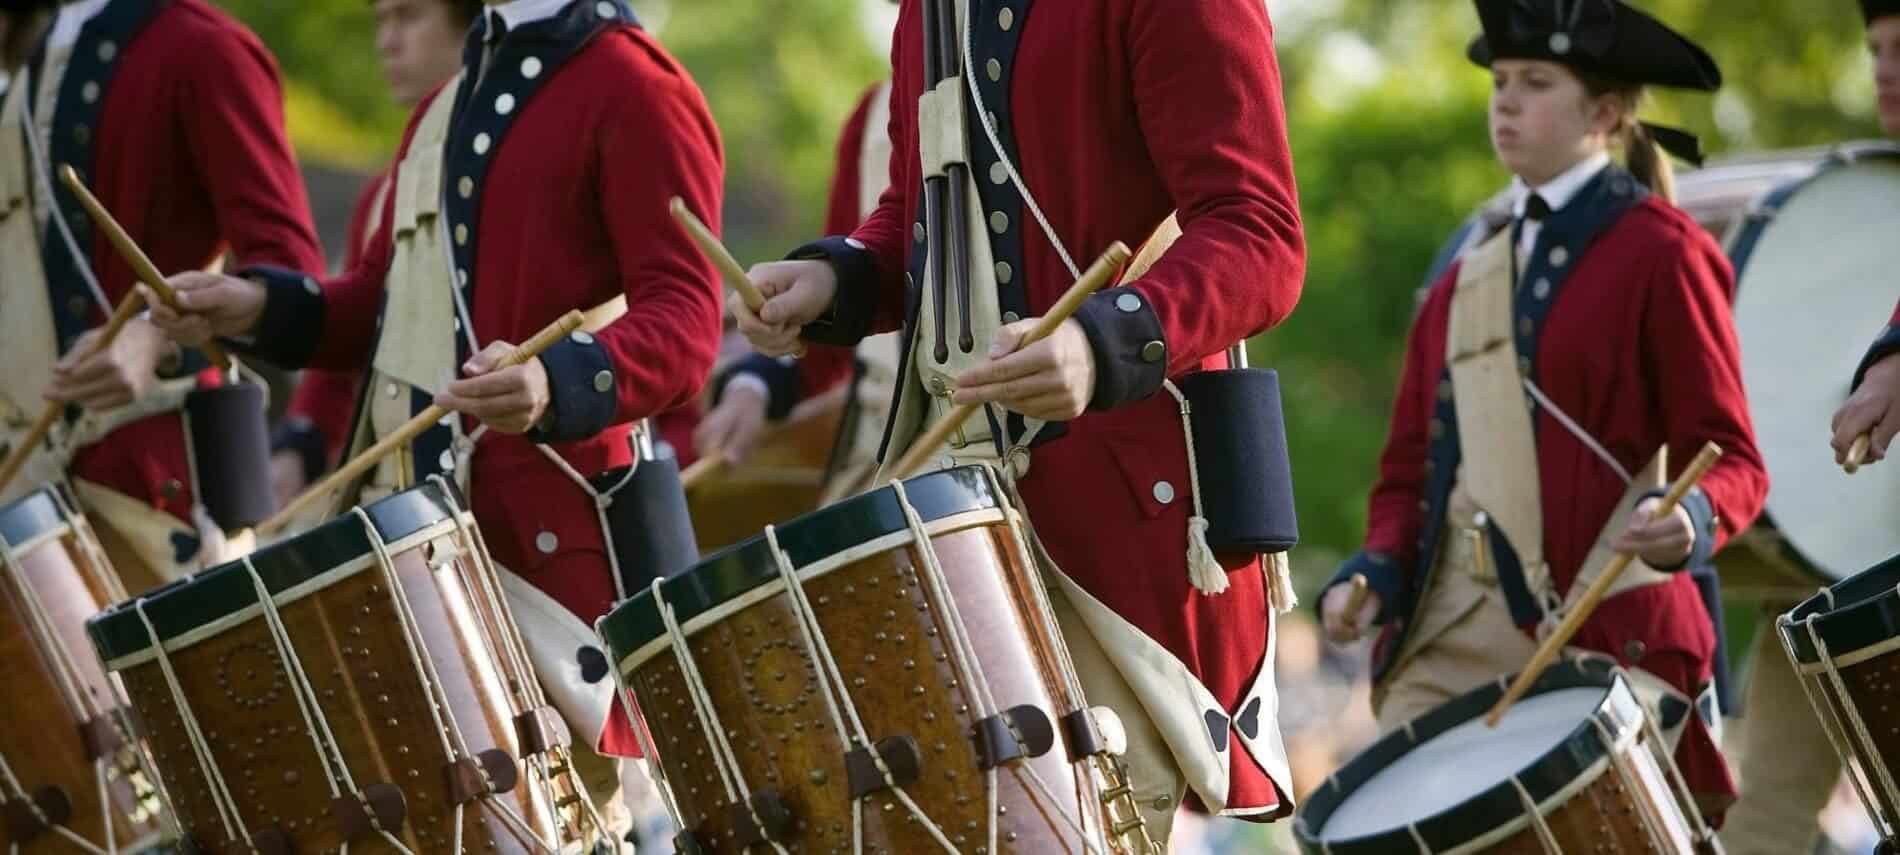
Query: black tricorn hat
x=1877 y=8
x=1606 y=38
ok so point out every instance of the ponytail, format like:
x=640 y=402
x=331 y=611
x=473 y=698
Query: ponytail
x=1647 y=161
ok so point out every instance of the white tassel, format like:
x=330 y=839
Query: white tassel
x=1279 y=572
x=1204 y=570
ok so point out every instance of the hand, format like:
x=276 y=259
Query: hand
x=116 y=376
x=796 y=293
x=1664 y=542
x=1343 y=628
x=733 y=427
x=1874 y=408
x=510 y=400
x=286 y=476
x=209 y=306
x=1051 y=380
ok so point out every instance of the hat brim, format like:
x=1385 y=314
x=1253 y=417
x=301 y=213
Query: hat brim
x=1873 y=9
x=1643 y=51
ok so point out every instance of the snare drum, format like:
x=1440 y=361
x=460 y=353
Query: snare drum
x=1573 y=767
x=879 y=675
x=1845 y=644
x=62 y=739
x=359 y=685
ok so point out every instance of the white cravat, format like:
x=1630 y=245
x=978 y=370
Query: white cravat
x=1557 y=193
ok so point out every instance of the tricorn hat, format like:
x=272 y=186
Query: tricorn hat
x=1606 y=38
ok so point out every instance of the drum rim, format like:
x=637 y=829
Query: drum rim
x=1741 y=248
x=1864 y=611
x=1496 y=807
x=187 y=604
x=34 y=515
x=745 y=566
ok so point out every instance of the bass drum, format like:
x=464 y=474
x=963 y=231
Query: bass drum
x=1814 y=260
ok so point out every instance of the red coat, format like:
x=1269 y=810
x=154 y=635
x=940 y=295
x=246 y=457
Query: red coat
x=570 y=211
x=323 y=406
x=1120 y=112
x=1638 y=346
x=185 y=146
x=1885 y=345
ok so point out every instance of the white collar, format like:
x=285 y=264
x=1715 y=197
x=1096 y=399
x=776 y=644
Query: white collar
x=515 y=13
x=1558 y=192
x=70 y=19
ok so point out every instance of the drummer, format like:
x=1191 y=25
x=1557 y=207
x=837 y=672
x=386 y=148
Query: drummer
x=1874 y=407
x=558 y=148
x=1616 y=307
x=757 y=390
x=420 y=45
x=172 y=113
x=1107 y=483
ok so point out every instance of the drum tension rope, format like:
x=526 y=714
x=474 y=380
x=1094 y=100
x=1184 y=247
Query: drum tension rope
x=900 y=754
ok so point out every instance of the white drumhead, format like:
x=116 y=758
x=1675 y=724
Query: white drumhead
x=1461 y=763
x=1813 y=294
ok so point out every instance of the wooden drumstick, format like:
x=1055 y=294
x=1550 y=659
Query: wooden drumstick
x=1356 y=599
x=1092 y=280
x=141 y=265
x=729 y=267
x=17 y=457
x=702 y=469
x=1547 y=652
x=1857 y=453
x=413 y=428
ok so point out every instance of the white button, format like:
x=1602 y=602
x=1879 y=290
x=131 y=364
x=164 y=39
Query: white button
x=1164 y=492
x=547 y=542
x=531 y=67
x=606 y=10
x=1128 y=303
x=458 y=322
x=1006 y=19
x=999 y=174
x=1011 y=317
x=465 y=187
x=1559 y=256
x=1541 y=289
x=447 y=420
x=107 y=50
x=999 y=222
x=310 y=286
x=90 y=91
x=504 y=103
x=994 y=69
x=461 y=278
x=1004 y=273
x=392 y=390
x=461 y=234
x=482 y=142
x=603 y=380
x=446 y=460
x=854 y=243
x=583 y=337
x=1560 y=43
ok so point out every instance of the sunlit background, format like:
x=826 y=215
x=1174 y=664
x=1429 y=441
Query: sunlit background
x=1387 y=125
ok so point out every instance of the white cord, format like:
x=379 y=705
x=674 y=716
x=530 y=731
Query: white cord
x=1576 y=430
x=219 y=791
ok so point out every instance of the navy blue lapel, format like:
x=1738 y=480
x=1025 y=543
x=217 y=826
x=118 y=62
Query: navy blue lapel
x=1567 y=233
x=82 y=92
x=486 y=104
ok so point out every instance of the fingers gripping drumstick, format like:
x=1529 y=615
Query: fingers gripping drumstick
x=1092 y=280
x=141 y=265
x=1573 y=621
x=413 y=428
x=50 y=415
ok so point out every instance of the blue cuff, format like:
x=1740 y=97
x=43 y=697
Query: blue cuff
x=849 y=319
x=1702 y=520
x=291 y=325
x=1886 y=345
x=298 y=434
x=781 y=379
x=581 y=385
x=1382 y=578
x=1131 y=355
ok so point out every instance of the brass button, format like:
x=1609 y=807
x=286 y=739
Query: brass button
x=1153 y=351
x=603 y=380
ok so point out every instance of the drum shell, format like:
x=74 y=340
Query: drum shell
x=341 y=612
x=232 y=445
x=652 y=529
x=890 y=640
x=1854 y=627
x=1245 y=475
x=51 y=556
